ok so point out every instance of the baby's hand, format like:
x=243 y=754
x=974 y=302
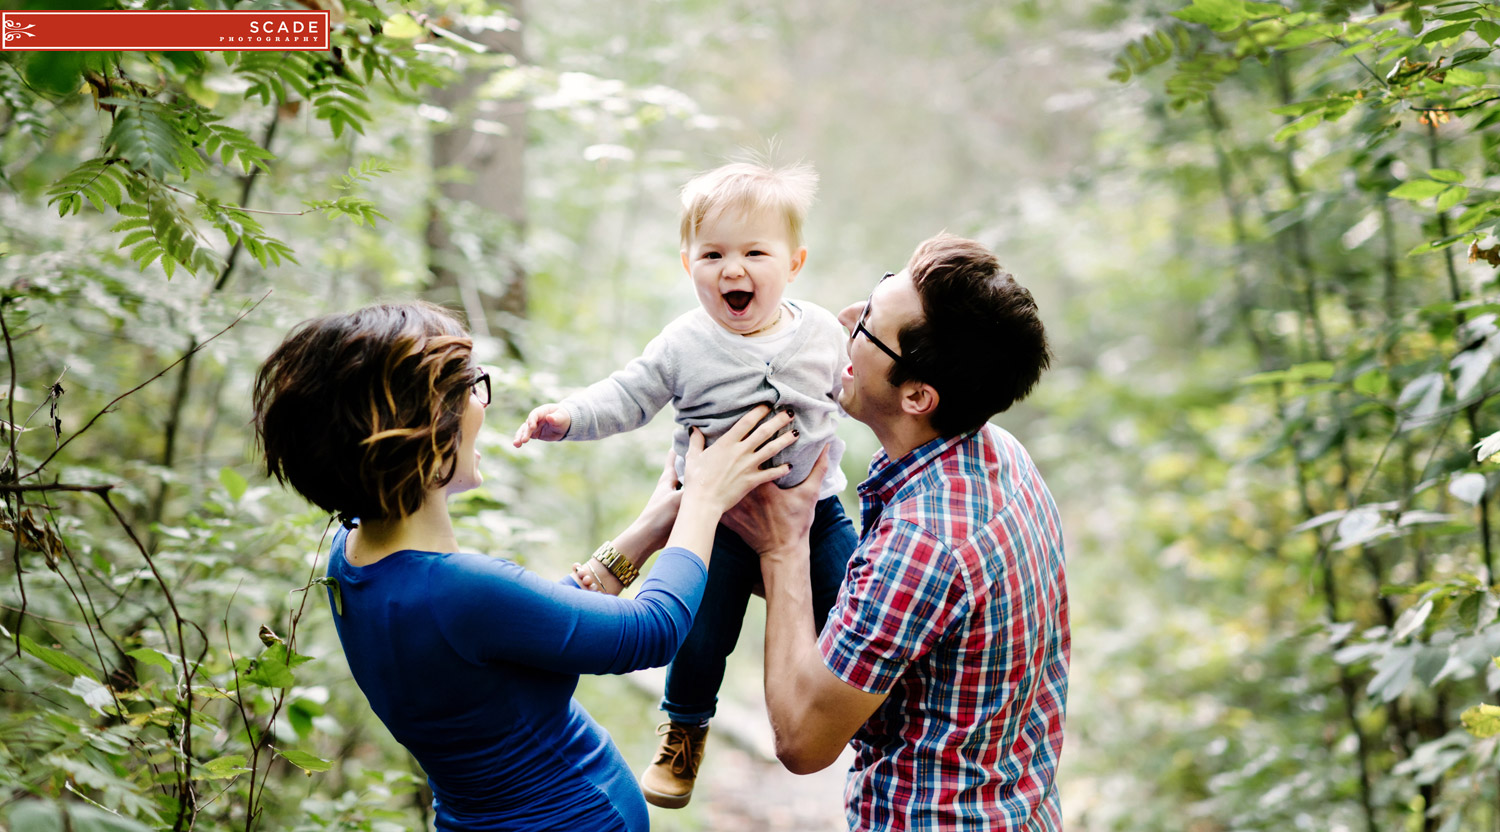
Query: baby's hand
x=586 y=578
x=549 y=423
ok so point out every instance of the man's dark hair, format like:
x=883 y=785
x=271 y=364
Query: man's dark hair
x=980 y=342
x=360 y=411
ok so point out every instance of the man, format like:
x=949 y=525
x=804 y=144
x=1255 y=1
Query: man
x=945 y=659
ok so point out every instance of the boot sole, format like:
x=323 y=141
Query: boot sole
x=666 y=801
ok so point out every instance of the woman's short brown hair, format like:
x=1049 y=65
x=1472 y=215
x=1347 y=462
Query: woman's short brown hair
x=360 y=411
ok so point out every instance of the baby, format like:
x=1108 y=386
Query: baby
x=746 y=345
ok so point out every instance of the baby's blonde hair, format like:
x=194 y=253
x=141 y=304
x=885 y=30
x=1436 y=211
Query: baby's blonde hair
x=750 y=187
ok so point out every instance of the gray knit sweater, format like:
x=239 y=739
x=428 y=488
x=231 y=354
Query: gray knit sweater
x=712 y=381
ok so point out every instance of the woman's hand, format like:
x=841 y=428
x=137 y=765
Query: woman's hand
x=720 y=475
x=775 y=521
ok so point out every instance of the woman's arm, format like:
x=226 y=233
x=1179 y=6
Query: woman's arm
x=642 y=538
x=496 y=611
x=687 y=515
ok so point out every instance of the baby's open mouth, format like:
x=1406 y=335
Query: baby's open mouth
x=738 y=300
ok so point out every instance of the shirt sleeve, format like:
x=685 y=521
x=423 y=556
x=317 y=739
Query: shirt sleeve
x=627 y=399
x=493 y=610
x=902 y=598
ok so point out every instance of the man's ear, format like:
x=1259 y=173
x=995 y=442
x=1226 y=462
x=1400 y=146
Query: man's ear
x=919 y=399
x=799 y=259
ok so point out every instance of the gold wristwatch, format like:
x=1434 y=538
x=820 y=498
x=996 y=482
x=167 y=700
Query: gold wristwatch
x=616 y=563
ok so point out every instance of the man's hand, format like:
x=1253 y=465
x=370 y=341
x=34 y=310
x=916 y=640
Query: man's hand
x=774 y=521
x=549 y=423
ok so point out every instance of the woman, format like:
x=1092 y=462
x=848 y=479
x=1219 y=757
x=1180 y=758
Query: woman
x=471 y=661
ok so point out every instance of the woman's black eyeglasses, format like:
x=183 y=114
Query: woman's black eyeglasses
x=482 y=388
x=861 y=329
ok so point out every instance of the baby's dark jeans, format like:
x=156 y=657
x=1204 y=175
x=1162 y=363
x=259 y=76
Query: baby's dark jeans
x=695 y=675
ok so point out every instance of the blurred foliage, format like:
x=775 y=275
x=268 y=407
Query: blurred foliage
x=1318 y=635
x=156 y=670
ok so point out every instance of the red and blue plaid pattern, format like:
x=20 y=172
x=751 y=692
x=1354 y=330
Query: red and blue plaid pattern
x=956 y=603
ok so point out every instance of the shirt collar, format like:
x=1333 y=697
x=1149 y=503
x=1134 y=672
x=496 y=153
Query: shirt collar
x=887 y=477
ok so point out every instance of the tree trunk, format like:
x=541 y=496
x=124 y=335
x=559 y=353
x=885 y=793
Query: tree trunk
x=474 y=224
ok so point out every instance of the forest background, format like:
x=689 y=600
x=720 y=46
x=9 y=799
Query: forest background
x=1262 y=237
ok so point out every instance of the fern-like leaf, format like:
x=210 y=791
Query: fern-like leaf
x=149 y=138
x=1196 y=78
x=273 y=74
x=243 y=229
x=339 y=102
x=368 y=169
x=232 y=144
x=158 y=230
x=1151 y=51
x=360 y=210
x=101 y=181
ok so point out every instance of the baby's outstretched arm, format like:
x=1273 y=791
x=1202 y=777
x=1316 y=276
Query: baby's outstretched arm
x=549 y=423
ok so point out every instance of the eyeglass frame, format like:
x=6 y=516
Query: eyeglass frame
x=864 y=315
x=482 y=378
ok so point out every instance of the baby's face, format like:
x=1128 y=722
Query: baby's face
x=740 y=264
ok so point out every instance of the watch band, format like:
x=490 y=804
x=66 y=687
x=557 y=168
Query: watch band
x=616 y=563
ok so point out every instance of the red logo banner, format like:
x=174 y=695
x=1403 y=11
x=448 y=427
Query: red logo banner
x=158 y=30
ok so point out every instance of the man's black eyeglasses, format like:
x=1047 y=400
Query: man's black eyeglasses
x=861 y=329
x=481 y=387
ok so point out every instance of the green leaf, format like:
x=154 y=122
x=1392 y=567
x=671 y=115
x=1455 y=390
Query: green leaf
x=230 y=765
x=47 y=816
x=1371 y=383
x=233 y=483
x=338 y=600
x=1412 y=14
x=1452 y=30
x=1301 y=108
x=145 y=655
x=98 y=180
x=301 y=714
x=144 y=134
x=1488 y=30
x=54 y=73
x=1225 y=15
x=1452 y=177
x=57 y=658
x=1460 y=77
x=1301 y=125
x=269 y=672
x=1418 y=189
x=1483 y=721
x=303 y=760
x=278 y=651
x=402 y=26
x=1451 y=197
x=1464 y=56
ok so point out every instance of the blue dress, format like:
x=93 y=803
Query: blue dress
x=471 y=662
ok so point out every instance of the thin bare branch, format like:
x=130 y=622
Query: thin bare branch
x=117 y=399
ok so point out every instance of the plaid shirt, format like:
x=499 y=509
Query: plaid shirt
x=956 y=604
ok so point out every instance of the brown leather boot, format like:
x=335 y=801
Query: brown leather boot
x=668 y=782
